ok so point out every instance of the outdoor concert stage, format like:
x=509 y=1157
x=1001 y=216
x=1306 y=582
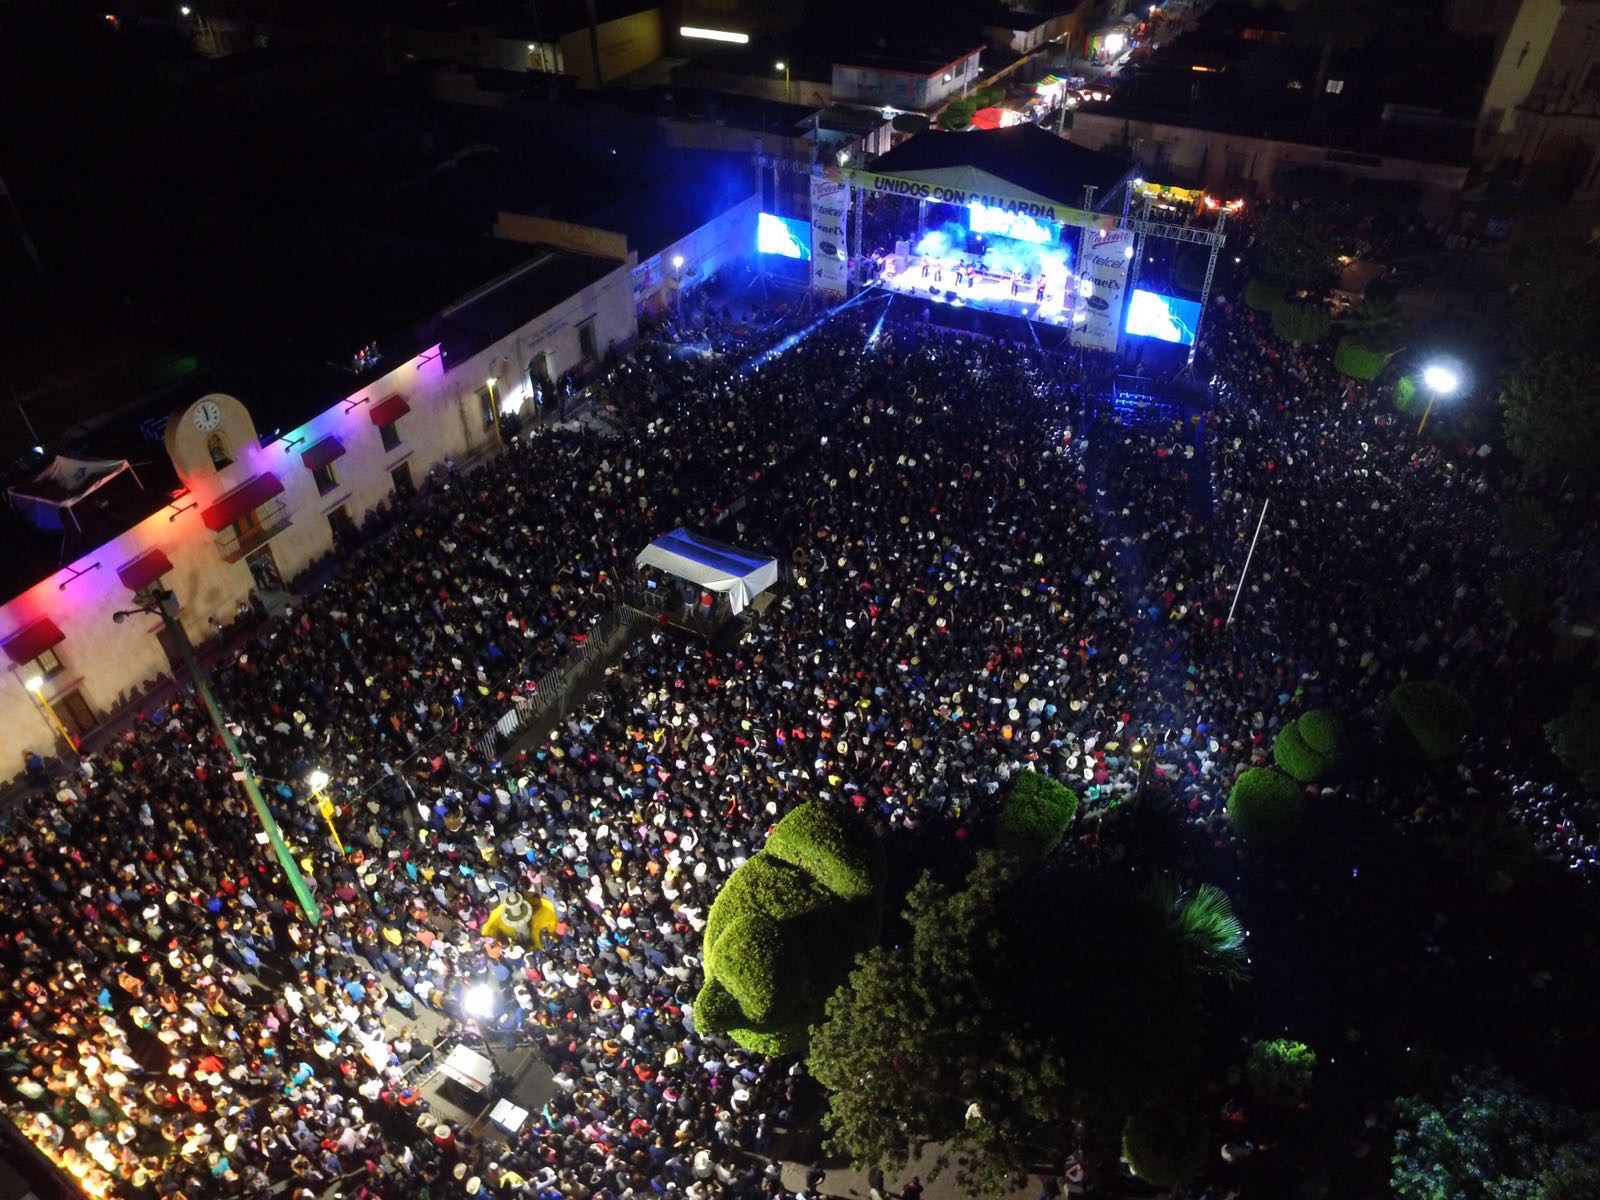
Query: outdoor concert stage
x=954 y=281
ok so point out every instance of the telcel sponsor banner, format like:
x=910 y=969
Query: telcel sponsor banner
x=1102 y=280
x=829 y=251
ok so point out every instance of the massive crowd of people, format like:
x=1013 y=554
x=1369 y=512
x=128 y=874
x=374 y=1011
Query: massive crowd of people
x=983 y=575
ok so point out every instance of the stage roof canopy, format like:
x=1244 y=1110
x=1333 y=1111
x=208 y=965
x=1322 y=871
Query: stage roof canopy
x=1018 y=158
x=715 y=566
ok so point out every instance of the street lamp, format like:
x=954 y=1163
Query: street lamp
x=161 y=603
x=677 y=281
x=481 y=1000
x=35 y=684
x=1441 y=380
x=1142 y=761
x=318 y=781
x=784 y=67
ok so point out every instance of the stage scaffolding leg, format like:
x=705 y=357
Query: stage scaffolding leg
x=1205 y=288
x=922 y=222
x=858 y=213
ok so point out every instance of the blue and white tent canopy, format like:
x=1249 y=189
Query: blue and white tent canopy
x=715 y=566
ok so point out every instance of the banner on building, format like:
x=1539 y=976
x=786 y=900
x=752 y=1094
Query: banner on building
x=830 y=253
x=1102 y=285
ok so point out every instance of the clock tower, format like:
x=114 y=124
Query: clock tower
x=207 y=436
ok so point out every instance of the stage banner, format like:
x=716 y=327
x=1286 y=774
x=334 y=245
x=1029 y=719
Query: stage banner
x=830 y=253
x=1102 y=286
x=997 y=195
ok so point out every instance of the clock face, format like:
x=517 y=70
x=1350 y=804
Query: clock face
x=207 y=416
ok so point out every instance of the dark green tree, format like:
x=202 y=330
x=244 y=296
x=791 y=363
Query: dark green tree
x=1305 y=748
x=1559 y=281
x=1036 y=815
x=1434 y=716
x=1279 y=1071
x=786 y=927
x=1301 y=324
x=957 y=114
x=1526 y=528
x=1490 y=1140
x=957 y=1036
x=1552 y=412
x=1165 y=1148
x=1575 y=738
x=1293 y=251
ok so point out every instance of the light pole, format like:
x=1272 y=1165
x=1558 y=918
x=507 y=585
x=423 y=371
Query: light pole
x=36 y=686
x=162 y=603
x=784 y=67
x=677 y=282
x=1441 y=381
x=481 y=1000
x=318 y=780
x=1142 y=761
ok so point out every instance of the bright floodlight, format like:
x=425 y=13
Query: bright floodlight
x=713 y=35
x=35 y=684
x=1441 y=381
x=479 y=1000
x=778 y=66
x=677 y=262
x=318 y=779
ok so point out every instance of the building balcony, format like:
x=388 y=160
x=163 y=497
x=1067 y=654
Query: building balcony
x=248 y=535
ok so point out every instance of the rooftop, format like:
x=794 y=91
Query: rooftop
x=1024 y=155
x=1241 y=72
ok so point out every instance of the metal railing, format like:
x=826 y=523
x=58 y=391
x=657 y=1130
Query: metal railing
x=544 y=694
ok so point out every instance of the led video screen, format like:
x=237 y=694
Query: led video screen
x=782 y=236
x=1000 y=223
x=1166 y=318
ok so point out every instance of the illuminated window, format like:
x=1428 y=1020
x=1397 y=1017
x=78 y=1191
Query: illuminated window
x=46 y=665
x=486 y=406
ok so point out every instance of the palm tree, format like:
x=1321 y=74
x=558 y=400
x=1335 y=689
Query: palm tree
x=1373 y=322
x=1204 y=924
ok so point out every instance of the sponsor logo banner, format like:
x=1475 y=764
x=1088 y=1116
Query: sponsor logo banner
x=830 y=201
x=1102 y=282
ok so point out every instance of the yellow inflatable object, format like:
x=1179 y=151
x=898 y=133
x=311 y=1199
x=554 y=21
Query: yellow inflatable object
x=522 y=920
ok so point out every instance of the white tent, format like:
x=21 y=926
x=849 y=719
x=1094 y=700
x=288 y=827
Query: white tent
x=62 y=485
x=715 y=566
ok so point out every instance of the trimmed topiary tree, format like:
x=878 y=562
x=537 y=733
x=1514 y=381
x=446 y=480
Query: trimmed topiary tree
x=1164 y=1149
x=786 y=927
x=1262 y=294
x=1265 y=806
x=1036 y=815
x=1354 y=359
x=1322 y=730
x=1305 y=748
x=1434 y=716
x=1295 y=758
x=1279 y=1071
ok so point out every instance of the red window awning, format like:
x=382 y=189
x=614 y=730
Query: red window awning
x=328 y=450
x=33 y=640
x=387 y=412
x=241 y=501
x=144 y=570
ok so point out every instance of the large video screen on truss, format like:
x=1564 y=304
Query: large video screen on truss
x=1166 y=318
x=782 y=236
x=998 y=222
